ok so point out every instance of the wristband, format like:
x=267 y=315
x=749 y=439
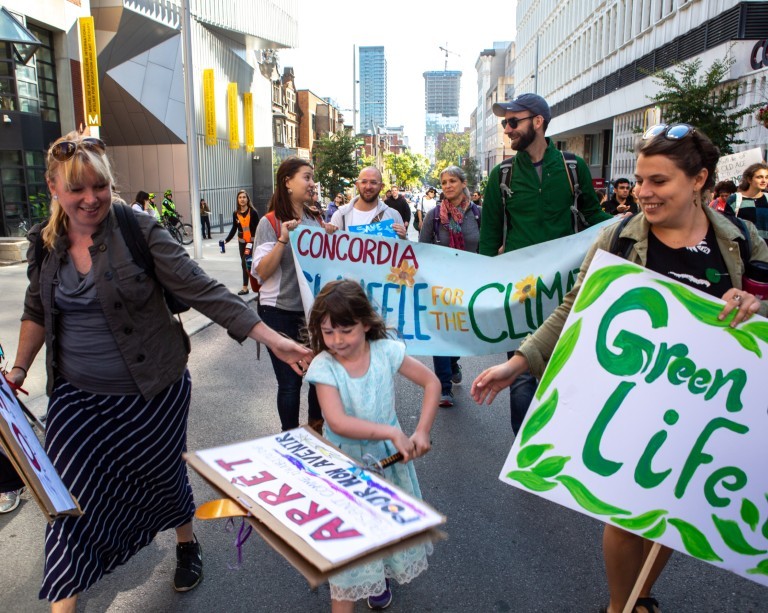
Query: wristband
x=282 y=242
x=21 y=368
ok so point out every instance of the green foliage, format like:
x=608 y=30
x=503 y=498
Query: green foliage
x=408 y=169
x=703 y=101
x=335 y=166
x=452 y=151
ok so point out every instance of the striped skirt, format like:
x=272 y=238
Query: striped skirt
x=120 y=456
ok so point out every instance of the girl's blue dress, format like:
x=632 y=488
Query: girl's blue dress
x=372 y=397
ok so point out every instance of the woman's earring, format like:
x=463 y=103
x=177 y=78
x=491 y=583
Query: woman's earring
x=55 y=197
x=290 y=191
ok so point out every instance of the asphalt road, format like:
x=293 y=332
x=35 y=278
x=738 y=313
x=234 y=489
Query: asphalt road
x=507 y=549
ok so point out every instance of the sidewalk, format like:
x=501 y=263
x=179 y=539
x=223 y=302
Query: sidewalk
x=13 y=284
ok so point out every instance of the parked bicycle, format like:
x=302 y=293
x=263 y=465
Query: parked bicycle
x=182 y=232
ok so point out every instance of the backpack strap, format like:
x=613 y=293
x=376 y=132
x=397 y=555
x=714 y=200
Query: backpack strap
x=134 y=239
x=506 y=169
x=273 y=222
x=571 y=167
x=621 y=245
x=745 y=243
x=378 y=217
x=436 y=224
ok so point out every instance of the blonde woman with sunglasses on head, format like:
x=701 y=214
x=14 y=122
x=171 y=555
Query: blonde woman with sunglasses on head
x=117 y=373
x=676 y=235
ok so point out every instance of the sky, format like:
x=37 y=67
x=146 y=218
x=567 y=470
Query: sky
x=412 y=33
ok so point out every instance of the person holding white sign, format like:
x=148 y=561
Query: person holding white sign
x=354 y=372
x=676 y=235
x=116 y=362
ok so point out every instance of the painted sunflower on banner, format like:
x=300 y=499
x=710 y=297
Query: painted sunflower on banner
x=525 y=289
x=402 y=275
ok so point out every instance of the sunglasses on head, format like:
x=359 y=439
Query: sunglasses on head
x=64 y=150
x=674 y=131
x=513 y=122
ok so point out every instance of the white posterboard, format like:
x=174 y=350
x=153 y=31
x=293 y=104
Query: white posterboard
x=29 y=458
x=651 y=415
x=731 y=167
x=304 y=488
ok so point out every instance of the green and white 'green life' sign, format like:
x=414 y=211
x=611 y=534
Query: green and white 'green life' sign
x=653 y=415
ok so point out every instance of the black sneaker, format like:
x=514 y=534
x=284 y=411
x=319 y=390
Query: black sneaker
x=189 y=566
x=383 y=600
x=456 y=374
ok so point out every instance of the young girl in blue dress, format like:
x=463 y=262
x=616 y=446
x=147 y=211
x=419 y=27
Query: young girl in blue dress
x=354 y=373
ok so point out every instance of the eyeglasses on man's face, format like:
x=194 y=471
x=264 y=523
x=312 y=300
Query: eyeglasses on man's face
x=513 y=122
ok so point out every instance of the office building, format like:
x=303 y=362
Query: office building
x=373 y=89
x=143 y=99
x=441 y=101
x=593 y=61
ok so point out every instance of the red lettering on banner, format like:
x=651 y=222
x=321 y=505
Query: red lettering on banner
x=300 y=242
x=343 y=246
x=228 y=465
x=262 y=477
x=25 y=447
x=283 y=496
x=330 y=531
x=302 y=517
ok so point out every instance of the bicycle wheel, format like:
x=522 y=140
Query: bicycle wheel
x=174 y=232
x=186 y=235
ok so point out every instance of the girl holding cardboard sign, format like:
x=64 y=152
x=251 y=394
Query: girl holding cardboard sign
x=675 y=235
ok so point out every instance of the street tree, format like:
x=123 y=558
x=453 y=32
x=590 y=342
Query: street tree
x=407 y=168
x=703 y=100
x=335 y=166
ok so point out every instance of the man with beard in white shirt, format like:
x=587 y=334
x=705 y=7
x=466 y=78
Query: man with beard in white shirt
x=366 y=208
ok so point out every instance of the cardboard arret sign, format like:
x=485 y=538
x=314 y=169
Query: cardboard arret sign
x=315 y=505
x=29 y=459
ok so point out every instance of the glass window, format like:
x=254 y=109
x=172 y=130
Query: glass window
x=7 y=104
x=34 y=158
x=27 y=89
x=10 y=158
x=5 y=69
x=26 y=73
x=49 y=115
x=44 y=55
x=35 y=175
x=28 y=105
x=14 y=193
x=45 y=70
x=6 y=87
x=12 y=175
x=6 y=51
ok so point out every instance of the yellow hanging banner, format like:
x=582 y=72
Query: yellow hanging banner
x=234 y=127
x=248 y=114
x=209 y=106
x=90 y=71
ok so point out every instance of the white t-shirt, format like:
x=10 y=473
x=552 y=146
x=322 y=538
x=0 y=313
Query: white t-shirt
x=427 y=205
x=360 y=218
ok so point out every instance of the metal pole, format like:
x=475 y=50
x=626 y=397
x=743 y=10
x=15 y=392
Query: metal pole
x=192 y=161
x=536 y=69
x=354 y=90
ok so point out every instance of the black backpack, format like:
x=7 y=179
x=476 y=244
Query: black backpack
x=137 y=245
x=571 y=166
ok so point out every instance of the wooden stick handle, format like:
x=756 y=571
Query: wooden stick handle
x=394 y=458
x=630 y=606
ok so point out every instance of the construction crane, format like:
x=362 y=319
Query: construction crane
x=447 y=51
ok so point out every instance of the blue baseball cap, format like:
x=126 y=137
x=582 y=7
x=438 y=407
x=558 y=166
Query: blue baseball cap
x=533 y=103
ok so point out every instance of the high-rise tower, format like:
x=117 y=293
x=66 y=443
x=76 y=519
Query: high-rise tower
x=373 y=88
x=441 y=101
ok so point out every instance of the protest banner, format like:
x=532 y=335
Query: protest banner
x=29 y=459
x=442 y=301
x=651 y=416
x=322 y=503
x=731 y=167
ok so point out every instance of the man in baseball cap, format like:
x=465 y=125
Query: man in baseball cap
x=530 y=197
